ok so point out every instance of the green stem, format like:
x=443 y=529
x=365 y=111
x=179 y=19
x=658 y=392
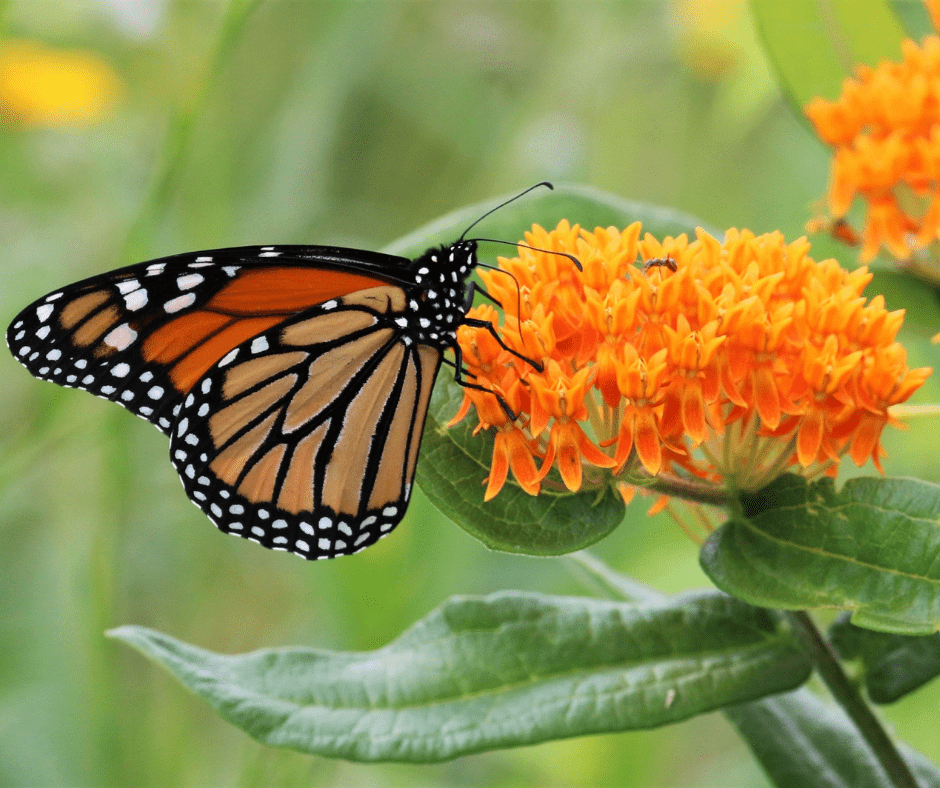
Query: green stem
x=697 y=492
x=844 y=691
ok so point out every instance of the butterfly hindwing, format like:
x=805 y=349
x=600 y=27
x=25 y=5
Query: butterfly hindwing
x=305 y=437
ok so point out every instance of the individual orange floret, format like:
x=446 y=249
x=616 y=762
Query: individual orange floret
x=512 y=448
x=561 y=398
x=641 y=384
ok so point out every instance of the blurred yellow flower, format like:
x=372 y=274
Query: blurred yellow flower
x=885 y=129
x=715 y=365
x=41 y=86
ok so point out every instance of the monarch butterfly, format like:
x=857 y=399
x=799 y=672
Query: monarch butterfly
x=292 y=381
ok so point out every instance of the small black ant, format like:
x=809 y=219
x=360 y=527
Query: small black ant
x=666 y=262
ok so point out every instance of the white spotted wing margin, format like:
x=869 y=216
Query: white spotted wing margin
x=305 y=437
x=89 y=335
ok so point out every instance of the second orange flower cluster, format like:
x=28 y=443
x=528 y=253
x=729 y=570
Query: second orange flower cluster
x=712 y=363
x=885 y=128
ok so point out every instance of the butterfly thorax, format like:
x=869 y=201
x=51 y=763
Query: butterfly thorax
x=437 y=303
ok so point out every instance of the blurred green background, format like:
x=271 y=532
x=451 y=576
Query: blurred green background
x=336 y=123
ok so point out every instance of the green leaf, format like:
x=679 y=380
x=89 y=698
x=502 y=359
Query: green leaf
x=814 y=44
x=873 y=548
x=913 y=15
x=454 y=463
x=893 y=664
x=482 y=673
x=801 y=741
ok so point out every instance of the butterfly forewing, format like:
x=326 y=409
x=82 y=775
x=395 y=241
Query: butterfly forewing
x=305 y=438
x=143 y=335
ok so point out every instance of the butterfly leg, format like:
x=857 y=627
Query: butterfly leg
x=473 y=289
x=459 y=377
x=475 y=323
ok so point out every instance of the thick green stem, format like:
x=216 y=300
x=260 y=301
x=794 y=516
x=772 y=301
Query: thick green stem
x=847 y=695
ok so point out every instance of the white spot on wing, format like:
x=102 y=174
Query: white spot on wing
x=188 y=281
x=260 y=344
x=136 y=300
x=180 y=302
x=121 y=337
x=43 y=312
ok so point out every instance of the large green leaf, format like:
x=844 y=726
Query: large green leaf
x=814 y=44
x=872 y=548
x=482 y=673
x=801 y=741
x=893 y=664
x=454 y=463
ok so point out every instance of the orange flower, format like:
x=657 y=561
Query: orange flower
x=885 y=129
x=716 y=371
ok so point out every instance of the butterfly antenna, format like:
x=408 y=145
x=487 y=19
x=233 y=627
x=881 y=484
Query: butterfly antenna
x=571 y=257
x=503 y=204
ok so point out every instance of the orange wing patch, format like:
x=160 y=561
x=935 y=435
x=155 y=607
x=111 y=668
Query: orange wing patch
x=250 y=304
x=285 y=290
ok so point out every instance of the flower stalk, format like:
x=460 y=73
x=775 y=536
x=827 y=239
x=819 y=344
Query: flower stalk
x=847 y=695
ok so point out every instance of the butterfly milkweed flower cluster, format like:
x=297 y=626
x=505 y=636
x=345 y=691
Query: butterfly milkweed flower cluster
x=885 y=129
x=691 y=366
